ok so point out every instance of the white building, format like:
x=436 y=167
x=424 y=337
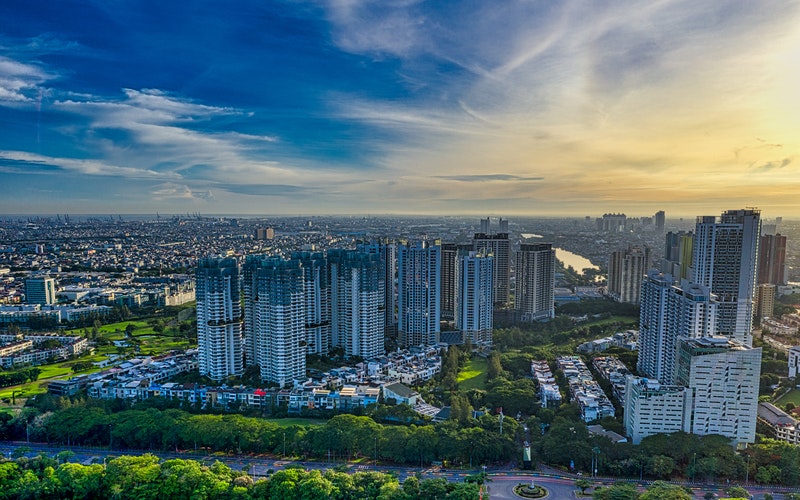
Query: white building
x=418 y=282
x=723 y=377
x=219 y=318
x=277 y=319
x=725 y=259
x=794 y=361
x=652 y=408
x=668 y=312
x=316 y=293
x=535 y=282
x=474 y=305
x=357 y=299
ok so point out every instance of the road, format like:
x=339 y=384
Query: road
x=500 y=486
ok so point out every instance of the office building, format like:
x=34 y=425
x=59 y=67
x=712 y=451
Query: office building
x=498 y=246
x=668 y=312
x=724 y=259
x=316 y=293
x=794 y=361
x=772 y=259
x=626 y=269
x=474 y=306
x=535 y=282
x=723 y=377
x=357 y=302
x=654 y=408
x=40 y=291
x=419 y=268
x=219 y=319
x=276 y=323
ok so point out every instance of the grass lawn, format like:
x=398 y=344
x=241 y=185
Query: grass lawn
x=473 y=376
x=792 y=396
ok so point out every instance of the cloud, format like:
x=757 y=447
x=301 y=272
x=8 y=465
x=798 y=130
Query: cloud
x=265 y=189
x=488 y=178
x=19 y=81
x=82 y=166
x=171 y=191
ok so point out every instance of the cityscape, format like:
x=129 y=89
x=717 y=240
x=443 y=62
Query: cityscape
x=356 y=250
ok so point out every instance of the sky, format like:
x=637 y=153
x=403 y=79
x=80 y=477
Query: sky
x=536 y=107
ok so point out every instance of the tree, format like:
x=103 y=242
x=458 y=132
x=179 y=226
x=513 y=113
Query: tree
x=737 y=492
x=660 y=490
x=495 y=368
x=582 y=484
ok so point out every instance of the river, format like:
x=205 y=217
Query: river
x=577 y=262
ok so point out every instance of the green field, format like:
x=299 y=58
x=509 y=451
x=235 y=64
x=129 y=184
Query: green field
x=792 y=396
x=473 y=375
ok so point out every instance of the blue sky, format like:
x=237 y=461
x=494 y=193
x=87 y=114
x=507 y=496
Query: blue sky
x=338 y=107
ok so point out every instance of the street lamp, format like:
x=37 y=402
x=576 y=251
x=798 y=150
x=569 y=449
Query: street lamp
x=284 y=444
x=595 y=460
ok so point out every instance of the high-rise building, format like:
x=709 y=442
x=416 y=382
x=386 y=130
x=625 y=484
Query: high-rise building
x=765 y=300
x=724 y=259
x=449 y=279
x=316 y=292
x=723 y=376
x=626 y=269
x=419 y=269
x=612 y=223
x=535 y=282
x=357 y=302
x=677 y=259
x=668 y=312
x=661 y=219
x=40 y=291
x=388 y=257
x=474 y=306
x=219 y=318
x=772 y=259
x=498 y=245
x=276 y=323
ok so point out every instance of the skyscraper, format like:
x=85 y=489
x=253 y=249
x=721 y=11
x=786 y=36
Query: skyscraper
x=276 y=324
x=535 y=282
x=449 y=280
x=419 y=288
x=724 y=259
x=219 y=318
x=626 y=269
x=661 y=220
x=357 y=302
x=474 y=307
x=388 y=258
x=40 y=291
x=667 y=313
x=316 y=293
x=498 y=246
x=772 y=259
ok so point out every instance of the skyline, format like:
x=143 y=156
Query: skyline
x=348 y=107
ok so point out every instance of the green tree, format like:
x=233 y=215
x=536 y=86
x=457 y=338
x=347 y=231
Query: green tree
x=737 y=492
x=619 y=491
x=660 y=490
x=582 y=484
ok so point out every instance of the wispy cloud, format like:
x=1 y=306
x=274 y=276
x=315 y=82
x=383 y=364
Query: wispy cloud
x=488 y=178
x=19 y=81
